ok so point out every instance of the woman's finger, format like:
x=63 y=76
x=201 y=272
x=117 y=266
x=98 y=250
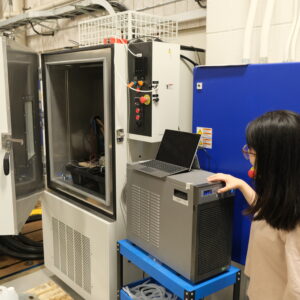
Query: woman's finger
x=217 y=177
x=224 y=189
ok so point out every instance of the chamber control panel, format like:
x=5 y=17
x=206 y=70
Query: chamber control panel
x=140 y=83
x=153 y=84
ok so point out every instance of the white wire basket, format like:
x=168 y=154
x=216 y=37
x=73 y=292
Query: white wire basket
x=126 y=26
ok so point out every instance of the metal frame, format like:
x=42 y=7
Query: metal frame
x=178 y=285
x=108 y=75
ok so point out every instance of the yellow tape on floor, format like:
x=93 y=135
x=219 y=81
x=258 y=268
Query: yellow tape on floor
x=49 y=291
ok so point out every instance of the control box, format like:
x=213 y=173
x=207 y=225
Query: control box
x=153 y=73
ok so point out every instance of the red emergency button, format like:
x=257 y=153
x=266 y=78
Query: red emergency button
x=146 y=99
x=137 y=110
x=143 y=100
x=137 y=117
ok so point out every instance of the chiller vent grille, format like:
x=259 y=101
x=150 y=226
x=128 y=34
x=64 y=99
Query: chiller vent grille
x=72 y=254
x=214 y=236
x=145 y=214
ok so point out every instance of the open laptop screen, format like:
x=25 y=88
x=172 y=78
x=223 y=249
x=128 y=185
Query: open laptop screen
x=178 y=148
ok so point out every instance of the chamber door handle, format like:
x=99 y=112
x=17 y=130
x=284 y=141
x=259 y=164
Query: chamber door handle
x=19 y=141
x=6 y=167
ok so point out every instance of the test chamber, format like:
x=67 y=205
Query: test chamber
x=83 y=103
x=85 y=114
x=182 y=221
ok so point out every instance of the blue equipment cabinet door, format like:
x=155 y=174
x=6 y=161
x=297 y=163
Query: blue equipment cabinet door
x=230 y=97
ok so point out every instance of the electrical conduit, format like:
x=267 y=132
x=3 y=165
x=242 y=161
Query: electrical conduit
x=291 y=34
x=295 y=37
x=265 y=31
x=248 y=31
x=13 y=9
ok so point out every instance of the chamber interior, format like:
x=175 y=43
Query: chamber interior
x=75 y=102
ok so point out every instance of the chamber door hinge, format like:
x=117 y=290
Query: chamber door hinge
x=44 y=163
x=120 y=135
x=40 y=73
x=7 y=140
x=44 y=169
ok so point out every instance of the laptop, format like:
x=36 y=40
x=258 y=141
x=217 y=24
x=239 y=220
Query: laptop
x=175 y=155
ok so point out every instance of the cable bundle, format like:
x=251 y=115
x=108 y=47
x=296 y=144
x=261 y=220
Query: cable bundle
x=22 y=247
x=148 y=291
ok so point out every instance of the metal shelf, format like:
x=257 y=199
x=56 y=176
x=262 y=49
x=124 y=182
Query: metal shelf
x=69 y=11
x=175 y=283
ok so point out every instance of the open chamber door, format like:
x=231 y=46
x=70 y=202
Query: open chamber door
x=79 y=135
x=21 y=171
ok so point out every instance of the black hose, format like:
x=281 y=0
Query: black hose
x=118 y=6
x=5 y=250
x=40 y=33
x=191 y=48
x=17 y=246
x=201 y=4
x=28 y=241
x=189 y=60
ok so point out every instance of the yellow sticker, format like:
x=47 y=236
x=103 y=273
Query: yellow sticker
x=206 y=137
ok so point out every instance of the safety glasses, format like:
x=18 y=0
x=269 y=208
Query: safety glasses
x=247 y=152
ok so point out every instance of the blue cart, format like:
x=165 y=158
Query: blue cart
x=166 y=277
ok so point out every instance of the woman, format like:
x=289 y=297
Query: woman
x=273 y=259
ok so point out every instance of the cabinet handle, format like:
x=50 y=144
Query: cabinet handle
x=6 y=164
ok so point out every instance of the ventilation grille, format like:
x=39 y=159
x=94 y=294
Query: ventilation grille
x=214 y=236
x=72 y=254
x=145 y=214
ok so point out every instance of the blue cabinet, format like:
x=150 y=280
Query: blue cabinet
x=226 y=99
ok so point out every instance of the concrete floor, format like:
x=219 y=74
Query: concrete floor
x=41 y=275
x=27 y=281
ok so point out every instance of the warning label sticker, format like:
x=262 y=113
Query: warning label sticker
x=206 y=137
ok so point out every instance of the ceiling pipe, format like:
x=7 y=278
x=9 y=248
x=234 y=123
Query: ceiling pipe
x=13 y=9
x=265 y=32
x=54 y=4
x=248 y=32
x=295 y=38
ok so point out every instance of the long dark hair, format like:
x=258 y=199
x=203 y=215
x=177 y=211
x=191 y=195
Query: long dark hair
x=275 y=136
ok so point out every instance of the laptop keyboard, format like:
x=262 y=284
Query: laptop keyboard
x=163 y=166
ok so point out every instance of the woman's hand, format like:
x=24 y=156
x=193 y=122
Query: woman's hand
x=231 y=182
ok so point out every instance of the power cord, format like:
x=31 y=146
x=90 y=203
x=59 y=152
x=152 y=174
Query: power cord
x=148 y=291
x=189 y=60
x=120 y=7
x=40 y=33
x=153 y=90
